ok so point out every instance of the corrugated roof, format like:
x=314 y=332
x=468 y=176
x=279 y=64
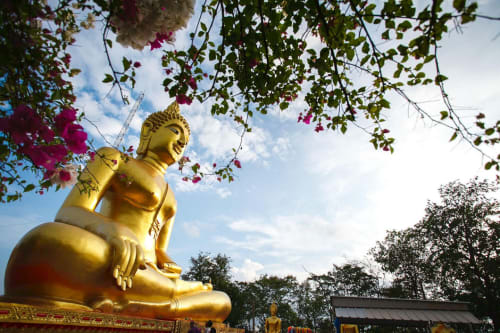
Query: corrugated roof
x=400 y=311
x=404 y=315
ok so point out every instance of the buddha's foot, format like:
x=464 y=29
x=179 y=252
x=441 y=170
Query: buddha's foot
x=104 y=305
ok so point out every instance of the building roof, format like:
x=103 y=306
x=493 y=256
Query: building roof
x=394 y=311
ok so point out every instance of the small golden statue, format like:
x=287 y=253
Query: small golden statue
x=273 y=323
x=115 y=260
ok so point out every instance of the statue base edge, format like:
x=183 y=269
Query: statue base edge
x=16 y=317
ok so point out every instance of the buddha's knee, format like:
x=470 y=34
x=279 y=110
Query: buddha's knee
x=57 y=258
x=213 y=305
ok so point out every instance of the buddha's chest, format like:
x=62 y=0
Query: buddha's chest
x=137 y=185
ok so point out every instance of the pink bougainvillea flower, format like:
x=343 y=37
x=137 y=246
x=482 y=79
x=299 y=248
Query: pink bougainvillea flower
x=46 y=133
x=185 y=179
x=130 y=149
x=319 y=128
x=307 y=119
x=299 y=118
x=168 y=71
x=137 y=64
x=205 y=75
x=91 y=155
x=75 y=138
x=114 y=162
x=192 y=83
x=386 y=148
x=67 y=58
x=219 y=179
x=237 y=163
x=64 y=175
x=183 y=99
x=196 y=179
x=58 y=152
x=23 y=125
x=214 y=165
x=65 y=117
x=45 y=156
x=160 y=38
x=385 y=131
x=155 y=44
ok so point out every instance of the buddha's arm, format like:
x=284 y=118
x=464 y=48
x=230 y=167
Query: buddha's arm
x=79 y=207
x=164 y=262
x=278 y=329
x=79 y=210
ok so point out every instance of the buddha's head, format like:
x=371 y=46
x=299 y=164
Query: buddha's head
x=274 y=309
x=165 y=133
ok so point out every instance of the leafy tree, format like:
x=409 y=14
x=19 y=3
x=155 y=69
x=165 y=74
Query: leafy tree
x=463 y=233
x=247 y=56
x=453 y=252
x=350 y=279
x=404 y=254
x=268 y=289
x=217 y=269
x=310 y=307
x=207 y=268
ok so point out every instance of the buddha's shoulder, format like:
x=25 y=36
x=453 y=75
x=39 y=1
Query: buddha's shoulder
x=108 y=152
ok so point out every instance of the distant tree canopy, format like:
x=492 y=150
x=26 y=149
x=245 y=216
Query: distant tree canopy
x=247 y=57
x=453 y=253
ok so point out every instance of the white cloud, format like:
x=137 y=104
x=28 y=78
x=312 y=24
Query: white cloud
x=191 y=229
x=223 y=192
x=248 y=271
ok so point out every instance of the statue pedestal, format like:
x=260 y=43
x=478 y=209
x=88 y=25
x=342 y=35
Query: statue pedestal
x=16 y=317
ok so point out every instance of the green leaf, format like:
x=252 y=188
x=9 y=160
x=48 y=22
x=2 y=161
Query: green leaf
x=109 y=42
x=440 y=78
x=489 y=131
x=459 y=5
x=365 y=48
x=29 y=187
x=454 y=136
x=444 y=114
x=126 y=63
x=212 y=55
x=108 y=78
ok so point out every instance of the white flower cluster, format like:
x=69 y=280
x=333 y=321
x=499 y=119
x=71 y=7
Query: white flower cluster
x=66 y=176
x=153 y=16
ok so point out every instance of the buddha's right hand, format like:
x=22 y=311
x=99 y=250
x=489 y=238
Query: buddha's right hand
x=128 y=256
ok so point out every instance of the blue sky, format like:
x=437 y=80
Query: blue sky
x=302 y=200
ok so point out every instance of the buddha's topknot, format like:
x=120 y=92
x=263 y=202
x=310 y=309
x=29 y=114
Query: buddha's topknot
x=157 y=119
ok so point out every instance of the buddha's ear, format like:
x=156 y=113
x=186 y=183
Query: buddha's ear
x=146 y=131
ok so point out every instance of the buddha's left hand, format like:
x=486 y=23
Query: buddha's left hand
x=127 y=258
x=166 y=265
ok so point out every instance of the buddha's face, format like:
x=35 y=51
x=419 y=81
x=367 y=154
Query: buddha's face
x=169 y=141
x=274 y=309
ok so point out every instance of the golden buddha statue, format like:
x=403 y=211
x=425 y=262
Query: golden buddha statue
x=115 y=260
x=273 y=323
